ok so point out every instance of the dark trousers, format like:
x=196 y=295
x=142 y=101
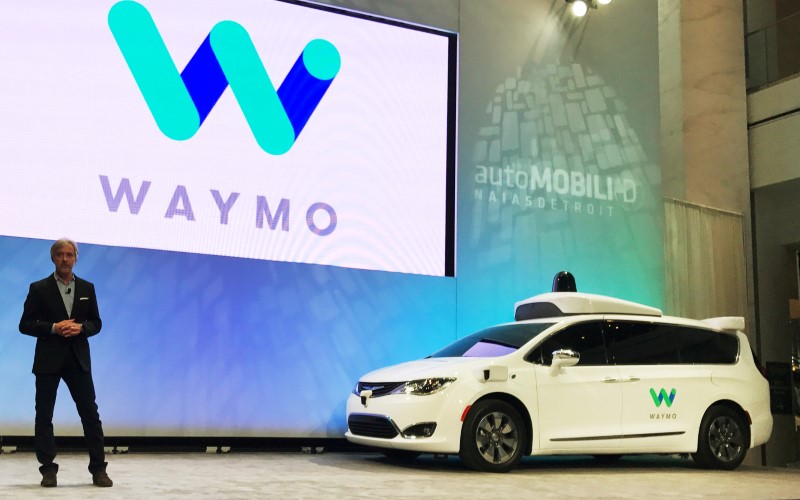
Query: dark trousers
x=81 y=387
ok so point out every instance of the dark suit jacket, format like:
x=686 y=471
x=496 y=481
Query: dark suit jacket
x=44 y=307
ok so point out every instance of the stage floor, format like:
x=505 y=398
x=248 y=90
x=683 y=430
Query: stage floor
x=369 y=475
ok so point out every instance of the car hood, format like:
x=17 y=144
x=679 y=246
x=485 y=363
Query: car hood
x=425 y=368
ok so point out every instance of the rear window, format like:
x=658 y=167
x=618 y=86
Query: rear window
x=493 y=342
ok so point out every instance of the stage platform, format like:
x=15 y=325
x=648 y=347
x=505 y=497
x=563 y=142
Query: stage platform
x=370 y=475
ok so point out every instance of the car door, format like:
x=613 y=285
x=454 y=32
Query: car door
x=579 y=406
x=660 y=395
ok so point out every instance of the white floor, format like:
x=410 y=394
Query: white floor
x=367 y=475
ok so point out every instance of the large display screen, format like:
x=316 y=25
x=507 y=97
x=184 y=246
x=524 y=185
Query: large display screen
x=263 y=193
x=253 y=129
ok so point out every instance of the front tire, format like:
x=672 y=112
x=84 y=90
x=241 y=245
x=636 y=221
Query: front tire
x=493 y=437
x=723 y=439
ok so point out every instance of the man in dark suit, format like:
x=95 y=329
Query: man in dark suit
x=61 y=312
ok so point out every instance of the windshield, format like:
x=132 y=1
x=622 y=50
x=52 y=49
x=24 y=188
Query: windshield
x=494 y=341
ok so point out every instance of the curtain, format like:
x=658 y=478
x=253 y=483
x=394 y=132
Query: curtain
x=705 y=269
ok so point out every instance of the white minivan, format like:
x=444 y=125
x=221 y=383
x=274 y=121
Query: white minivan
x=577 y=373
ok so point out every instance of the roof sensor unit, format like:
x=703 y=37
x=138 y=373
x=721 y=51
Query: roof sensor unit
x=564 y=282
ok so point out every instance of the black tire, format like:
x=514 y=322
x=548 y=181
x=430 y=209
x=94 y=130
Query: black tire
x=400 y=455
x=723 y=439
x=493 y=437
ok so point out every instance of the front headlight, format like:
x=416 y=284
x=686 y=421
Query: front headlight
x=425 y=386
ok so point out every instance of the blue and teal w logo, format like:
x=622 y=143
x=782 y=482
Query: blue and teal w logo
x=662 y=397
x=180 y=102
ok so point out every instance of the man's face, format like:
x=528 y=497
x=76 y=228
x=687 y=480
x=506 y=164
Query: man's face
x=64 y=258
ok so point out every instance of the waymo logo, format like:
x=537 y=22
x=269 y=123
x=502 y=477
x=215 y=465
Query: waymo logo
x=180 y=102
x=662 y=397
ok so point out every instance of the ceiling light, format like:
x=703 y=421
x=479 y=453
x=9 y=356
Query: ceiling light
x=579 y=8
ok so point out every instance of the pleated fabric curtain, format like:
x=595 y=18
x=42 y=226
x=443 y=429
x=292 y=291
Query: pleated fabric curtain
x=704 y=262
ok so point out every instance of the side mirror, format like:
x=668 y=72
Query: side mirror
x=563 y=358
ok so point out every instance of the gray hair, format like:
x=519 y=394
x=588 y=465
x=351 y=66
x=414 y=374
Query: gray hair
x=61 y=243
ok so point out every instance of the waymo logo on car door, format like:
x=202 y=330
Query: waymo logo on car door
x=662 y=397
x=180 y=102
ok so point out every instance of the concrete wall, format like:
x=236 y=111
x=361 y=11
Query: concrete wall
x=774 y=127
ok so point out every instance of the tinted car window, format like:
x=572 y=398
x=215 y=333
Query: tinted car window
x=634 y=343
x=697 y=346
x=640 y=343
x=585 y=338
x=495 y=341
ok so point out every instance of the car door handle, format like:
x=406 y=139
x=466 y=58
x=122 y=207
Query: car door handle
x=609 y=380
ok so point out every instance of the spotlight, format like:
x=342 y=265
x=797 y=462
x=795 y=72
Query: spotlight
x=579 y=8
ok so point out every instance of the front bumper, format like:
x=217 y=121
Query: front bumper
x=396 y=417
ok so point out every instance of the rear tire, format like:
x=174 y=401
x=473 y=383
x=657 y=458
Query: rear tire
x=493 y=437
x=723 y=439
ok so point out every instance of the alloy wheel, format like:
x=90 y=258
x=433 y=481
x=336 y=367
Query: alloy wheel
x=497 y=437
x=725 y=439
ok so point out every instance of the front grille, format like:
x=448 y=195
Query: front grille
x=378 y=388
x=371 y=426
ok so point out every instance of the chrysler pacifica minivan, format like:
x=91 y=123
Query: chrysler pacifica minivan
x=576 y=373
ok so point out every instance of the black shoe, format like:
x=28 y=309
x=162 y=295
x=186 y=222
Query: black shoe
x=49 y=480
x=102 y=480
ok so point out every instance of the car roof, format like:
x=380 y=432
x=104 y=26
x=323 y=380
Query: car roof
x=576 y=306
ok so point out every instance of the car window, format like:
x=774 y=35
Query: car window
x=584 y=338
x=697 y=346
x=494 y=341
x=640 y=343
